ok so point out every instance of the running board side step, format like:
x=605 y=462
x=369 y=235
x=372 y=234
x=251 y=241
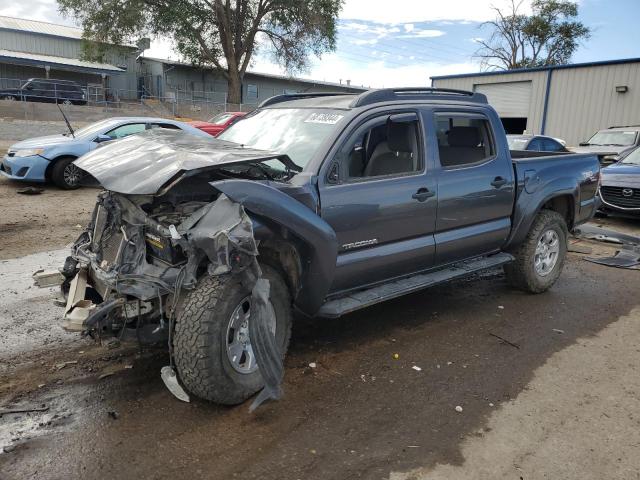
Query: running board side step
x=364 y=298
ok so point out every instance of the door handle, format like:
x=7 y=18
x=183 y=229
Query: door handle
x=498 y=182
x=422 y=194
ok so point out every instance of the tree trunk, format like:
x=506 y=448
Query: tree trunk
x=234 y=89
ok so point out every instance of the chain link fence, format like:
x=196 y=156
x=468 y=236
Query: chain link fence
x=98 y=102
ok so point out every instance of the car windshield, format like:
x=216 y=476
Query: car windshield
x=517 y=143
x=617 y=138
x=633 y=158
x=221 y=119
x=94 y=128
x=295 y=132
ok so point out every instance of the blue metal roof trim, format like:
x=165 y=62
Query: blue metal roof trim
x=539 y=69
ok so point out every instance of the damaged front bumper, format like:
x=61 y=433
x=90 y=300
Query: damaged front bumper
x=128 y=268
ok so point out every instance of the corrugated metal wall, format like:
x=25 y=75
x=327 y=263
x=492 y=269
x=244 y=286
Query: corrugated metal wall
x=538 y=85
x=42 y=44
x=582 y=100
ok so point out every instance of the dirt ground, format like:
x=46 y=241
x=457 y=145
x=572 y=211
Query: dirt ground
x=559 y=400
x=36 y=223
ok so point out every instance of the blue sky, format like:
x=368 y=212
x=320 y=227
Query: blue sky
x=403 y=42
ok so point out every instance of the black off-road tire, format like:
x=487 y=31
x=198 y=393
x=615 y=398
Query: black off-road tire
x=58 y=173
x=521 y=273
x=200 y=337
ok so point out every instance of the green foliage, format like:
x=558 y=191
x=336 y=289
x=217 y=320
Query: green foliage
x=222 y=34
x=549 y=36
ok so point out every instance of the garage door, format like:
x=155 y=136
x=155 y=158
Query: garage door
x=510 y=99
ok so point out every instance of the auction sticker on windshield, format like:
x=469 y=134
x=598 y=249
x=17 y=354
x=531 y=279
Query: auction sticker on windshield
x=326 y=118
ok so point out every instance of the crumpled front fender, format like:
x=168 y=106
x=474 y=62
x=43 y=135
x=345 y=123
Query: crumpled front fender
x=320 y=262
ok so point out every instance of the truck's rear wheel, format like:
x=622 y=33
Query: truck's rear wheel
x=540 y=258
x=212 y=348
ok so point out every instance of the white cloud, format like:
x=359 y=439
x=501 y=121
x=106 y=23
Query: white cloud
x=379 y=30
x=411 y=11
x=42 y=10
x=425 y=33
x=374 y=74
x=408 y=27
x=371 y=41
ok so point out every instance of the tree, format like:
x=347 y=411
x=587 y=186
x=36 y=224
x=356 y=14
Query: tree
x=549 y=36
x=224 y=34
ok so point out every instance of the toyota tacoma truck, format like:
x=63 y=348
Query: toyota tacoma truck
x=315 y=205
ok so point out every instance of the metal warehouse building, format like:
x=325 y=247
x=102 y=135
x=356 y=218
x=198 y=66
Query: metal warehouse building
x=565 y=101
x=33 y=49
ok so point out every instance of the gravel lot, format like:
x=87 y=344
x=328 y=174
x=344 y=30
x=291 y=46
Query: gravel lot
x=12 y=130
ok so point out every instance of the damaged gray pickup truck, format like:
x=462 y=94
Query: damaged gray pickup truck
x=314 y=205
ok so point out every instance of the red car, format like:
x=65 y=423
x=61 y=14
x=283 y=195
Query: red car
x=219 y=123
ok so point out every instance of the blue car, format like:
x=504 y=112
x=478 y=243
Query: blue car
x=50 y=158
x=620 y=186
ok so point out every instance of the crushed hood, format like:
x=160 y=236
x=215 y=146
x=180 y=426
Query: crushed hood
x=143 y=163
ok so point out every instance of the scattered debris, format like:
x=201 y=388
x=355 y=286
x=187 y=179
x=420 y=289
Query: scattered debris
x=44 y=279
x=575 y=247
x=593 y=232
x=313 y=365
x=458 y=409
x=113 y=414
x=396 y=356
x=8 y=448
x=105 y=375
x=416 y=368
x=505 y=341
x=491 y=404
x=60 y=366
x=413 y=446
x=625 y=258
x=501 y=307
x=42 y=408
x=30 y=191
x=170 y=379
x=557 y=330
x=111 y=343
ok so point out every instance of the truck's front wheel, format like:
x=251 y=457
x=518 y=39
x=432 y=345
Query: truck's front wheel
x=540 y=258
x=212 y=348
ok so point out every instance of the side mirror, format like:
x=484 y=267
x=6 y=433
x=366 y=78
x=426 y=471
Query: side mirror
x=29 y=87
x=102 y=138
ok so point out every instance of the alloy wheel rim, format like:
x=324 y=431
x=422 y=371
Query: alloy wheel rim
x=72 y=175
x=239 y=349
x=547 y=253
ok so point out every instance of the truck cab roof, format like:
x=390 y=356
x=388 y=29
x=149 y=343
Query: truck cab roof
x=373 y=97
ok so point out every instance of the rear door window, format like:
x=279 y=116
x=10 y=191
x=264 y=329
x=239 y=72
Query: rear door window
x=126 y=130
x=170 y=126
x=464 y=139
